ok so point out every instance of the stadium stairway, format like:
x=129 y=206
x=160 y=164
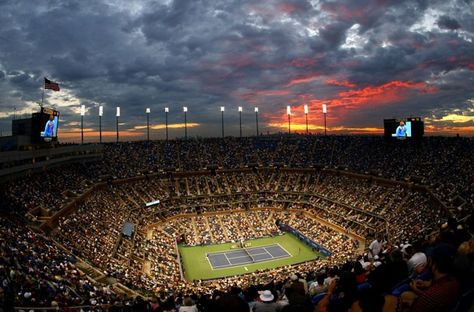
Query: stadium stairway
x=90 y=271
x=95 y=275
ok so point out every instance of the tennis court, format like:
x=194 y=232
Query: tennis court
x=226 y=259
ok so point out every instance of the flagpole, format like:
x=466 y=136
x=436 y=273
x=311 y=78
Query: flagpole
x=42 y=96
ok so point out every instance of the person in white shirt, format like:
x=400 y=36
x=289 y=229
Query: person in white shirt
x=188 y=305
x=374 y=248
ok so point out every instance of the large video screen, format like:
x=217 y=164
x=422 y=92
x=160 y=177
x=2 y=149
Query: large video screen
x=403 y=128
x=49 y=123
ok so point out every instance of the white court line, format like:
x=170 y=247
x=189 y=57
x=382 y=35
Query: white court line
x=232 y=265
x=266 y=251
x=238 y=257
x=217 y=266
x=241 y=255
x=289 y=254
x=225 y=255
x=209 y=261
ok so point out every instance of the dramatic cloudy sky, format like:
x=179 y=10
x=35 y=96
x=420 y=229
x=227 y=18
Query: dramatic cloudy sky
x=366 y=59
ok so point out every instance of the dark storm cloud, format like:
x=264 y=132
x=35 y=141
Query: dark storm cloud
x=204 y=54
x=448 y=23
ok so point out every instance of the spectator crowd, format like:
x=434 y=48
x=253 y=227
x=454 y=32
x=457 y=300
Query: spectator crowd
x=419 y=247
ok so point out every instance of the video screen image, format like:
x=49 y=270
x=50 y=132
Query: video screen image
x=399 y=129
x=49 y=126
x=403 y=130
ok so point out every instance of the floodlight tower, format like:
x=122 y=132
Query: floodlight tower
x=222 y=120
x=306 y=115
x=240 y=121
x=117 y=115
x=167 y=110
x=325 y=112
x=101 y=113
x=83 y=112
x=185 y=110
x=147 y=111
x=288 y=112
x=256 y=119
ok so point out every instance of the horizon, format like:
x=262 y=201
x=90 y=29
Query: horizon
x=366 y=60
x=176 y=131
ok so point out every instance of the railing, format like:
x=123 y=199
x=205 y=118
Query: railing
x=181 y=274
x=305 y=239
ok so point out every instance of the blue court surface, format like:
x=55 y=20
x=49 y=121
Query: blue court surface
x=226 y=259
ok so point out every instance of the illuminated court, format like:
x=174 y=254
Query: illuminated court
x=227 y=259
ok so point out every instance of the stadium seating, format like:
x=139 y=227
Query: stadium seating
x=412 y=197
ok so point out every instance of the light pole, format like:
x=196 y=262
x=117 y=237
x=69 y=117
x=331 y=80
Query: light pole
x=288 y=112
x=325 y=112
x=147 y=111
x=256 y=119
x=240 y=121
x=167 y=110
x=306 y=115
x=185 y=110
x=222 y=120
x=83 y=112
x=101 y=112
x=117 y=115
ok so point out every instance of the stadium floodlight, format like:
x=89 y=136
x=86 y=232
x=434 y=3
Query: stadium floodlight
x=222 y=120
x=117 y=115
x=256 y=119
x=325 y=112
x=240 y=121
x=167 y=110
x=83 y=112
x=288 y=112
x=147 y=111
x=185 y=110
x=306 y=111
x=101 y=113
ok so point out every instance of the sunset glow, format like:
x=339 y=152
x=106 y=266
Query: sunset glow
x=367 y=61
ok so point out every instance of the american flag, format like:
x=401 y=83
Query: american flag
x=48 y=84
